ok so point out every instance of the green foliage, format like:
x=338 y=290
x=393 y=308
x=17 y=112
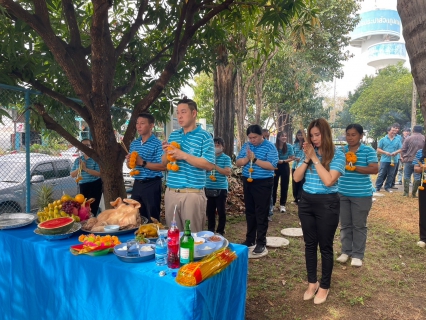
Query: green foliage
x=384 y=99
x=203 y=96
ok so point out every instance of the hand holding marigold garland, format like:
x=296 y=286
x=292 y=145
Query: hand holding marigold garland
x=212 y=175
x=351 y=159
x=172 y=165
x=132 y=164
x=392 y=164
x=250 y=179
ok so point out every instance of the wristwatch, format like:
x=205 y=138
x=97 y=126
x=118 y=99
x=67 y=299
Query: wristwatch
x=143 y=164
x=254 y=160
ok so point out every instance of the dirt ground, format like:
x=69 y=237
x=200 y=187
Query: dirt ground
x=390 y=285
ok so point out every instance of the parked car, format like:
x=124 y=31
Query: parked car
x=44 y=170
x=71 y=154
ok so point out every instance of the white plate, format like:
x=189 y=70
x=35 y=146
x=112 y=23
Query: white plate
x=15 y=220
x=199 y=257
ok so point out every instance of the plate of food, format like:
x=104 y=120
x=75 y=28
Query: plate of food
x=210 y=246
x=51 y=237
x=144 y=252
x=149 y=231
x=15 y=220
x=125 y=214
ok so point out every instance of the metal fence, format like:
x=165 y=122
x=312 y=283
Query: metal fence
x=32 y=170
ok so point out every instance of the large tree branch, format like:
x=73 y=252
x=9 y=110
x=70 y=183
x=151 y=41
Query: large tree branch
x=127 y=37
x=51 y=124
x=120 y=91
x=70 y=16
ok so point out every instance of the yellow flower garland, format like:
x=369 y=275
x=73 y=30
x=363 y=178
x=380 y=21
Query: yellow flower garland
x=351 y=159
x=172 y=165
x=132 y=164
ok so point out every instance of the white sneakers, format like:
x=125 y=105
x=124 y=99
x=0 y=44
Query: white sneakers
x=343 y=258
x=356 y=262
x=421 y=244
x=282 y=209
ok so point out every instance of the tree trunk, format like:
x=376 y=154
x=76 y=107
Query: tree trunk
x=413 y=17
x=240 y=107
x=224 y=107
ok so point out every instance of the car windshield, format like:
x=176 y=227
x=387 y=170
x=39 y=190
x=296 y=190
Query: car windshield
x=12 y=172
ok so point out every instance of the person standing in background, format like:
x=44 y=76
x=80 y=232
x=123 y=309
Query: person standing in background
x=285 y=155
x=266 y=134
x=298 y=153
x=409 y=148
x=148 y=184
x=91 y=183
x=390 y=147
x=217 y=188
x=397 y=128
x=405 y=134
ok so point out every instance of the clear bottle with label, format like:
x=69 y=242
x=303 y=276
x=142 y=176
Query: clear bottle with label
x=161 y=250
x=186 y=251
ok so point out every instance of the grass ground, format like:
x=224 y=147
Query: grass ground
x=390 y=285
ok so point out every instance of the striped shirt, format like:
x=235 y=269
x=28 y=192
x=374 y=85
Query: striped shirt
x=418 y=158
x=90 y=164
x=150 y=151
x=288 y=154
x=298 y=153
x=198 y=143
x=265 y=151
x=388 y=145
x=355 y=184
x=223 y=161
x=313 y=183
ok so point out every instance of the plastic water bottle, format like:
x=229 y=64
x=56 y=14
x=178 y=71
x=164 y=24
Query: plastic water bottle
x=161 y=251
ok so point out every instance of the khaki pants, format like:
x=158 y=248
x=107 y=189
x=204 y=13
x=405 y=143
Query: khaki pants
x=189 y=206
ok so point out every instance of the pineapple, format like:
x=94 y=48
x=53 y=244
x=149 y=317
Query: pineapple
x=44 y=196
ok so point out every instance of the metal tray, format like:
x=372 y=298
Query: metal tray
x=52 y=237
x=15 y=220
x=144 y=221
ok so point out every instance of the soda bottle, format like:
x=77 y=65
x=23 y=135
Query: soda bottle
x=186 y=245
x=161 y=250
x=173 y=244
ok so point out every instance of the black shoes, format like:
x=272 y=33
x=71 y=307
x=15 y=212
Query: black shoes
x=259 y=249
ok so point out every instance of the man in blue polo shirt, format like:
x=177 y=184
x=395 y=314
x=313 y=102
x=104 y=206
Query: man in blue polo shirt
x=390 y=147
x=196 y=155
x=147 y=185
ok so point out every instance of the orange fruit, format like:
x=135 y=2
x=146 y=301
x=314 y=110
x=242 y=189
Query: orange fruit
x=79 y=198
x=65 y=198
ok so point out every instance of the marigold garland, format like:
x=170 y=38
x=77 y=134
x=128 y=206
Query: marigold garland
x=392 y=164
x=132 y=164
x=79 y=177
x=172 y=165
x=250 y=170
x=351 y=159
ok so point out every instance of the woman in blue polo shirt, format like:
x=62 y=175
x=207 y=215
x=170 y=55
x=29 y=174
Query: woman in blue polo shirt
x=319 y=205
x=356 y=196
x=258 y=157
x=217 y=188
x=285 y=155
x=298 y=154
x=91 y=183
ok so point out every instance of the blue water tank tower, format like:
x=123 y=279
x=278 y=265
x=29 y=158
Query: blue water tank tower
x=378 y=35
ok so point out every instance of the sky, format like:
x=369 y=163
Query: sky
x=356 y=68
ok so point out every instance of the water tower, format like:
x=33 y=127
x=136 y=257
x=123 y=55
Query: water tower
x=378 y=35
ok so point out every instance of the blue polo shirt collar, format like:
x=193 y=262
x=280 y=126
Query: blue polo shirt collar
x=197 y=129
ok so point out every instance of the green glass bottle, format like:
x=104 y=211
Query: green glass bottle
x=186 y=249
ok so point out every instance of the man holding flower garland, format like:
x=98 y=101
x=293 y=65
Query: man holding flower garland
x=192 y=150
x=147 y=185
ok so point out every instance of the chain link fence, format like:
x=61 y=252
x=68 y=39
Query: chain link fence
x=34 y=168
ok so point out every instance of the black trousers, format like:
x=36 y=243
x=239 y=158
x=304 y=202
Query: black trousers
x=297 y=187
x=319 y=215
x=422 y=214
x=257 y=198
x=148 y=193
x=92 y=190
x=283 y=172
x=217 y=203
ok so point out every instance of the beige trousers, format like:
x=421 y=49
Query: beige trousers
x=189 y=206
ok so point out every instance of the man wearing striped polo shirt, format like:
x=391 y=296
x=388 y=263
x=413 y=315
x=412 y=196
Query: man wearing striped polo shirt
x=185 y=187
x=147 y=185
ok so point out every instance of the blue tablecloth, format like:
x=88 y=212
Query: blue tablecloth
x=41 y=279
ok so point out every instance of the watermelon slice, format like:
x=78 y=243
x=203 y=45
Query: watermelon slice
x=56 y=226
